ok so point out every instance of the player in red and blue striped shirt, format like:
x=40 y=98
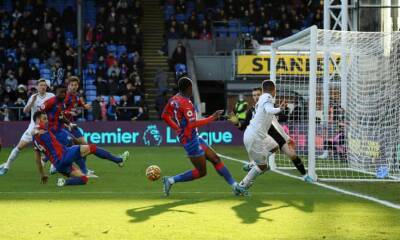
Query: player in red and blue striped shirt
x=64 y=158
x=72 y=103
x=55 y=107
x=180 y=115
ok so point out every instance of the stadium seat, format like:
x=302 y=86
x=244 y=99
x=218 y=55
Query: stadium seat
x=121 y=49
x=111 y=48
x=69 y=34
x=180 y=17
x=244 y=29
x=34 y=61
x=11 y=53
x=233 y=23
x=93 y=66
x=180 y=69
x=117 y=99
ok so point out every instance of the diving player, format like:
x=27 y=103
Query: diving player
x=64 y=158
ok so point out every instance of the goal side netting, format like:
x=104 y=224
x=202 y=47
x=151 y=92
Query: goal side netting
x=343 y=95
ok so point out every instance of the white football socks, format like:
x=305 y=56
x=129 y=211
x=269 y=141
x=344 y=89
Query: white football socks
x=251 y=176
x=12 y=157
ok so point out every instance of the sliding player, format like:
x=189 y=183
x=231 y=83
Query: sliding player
x=286 y=144
x=34 y=103
x=259 y=145
x=64 y=158
x=180 y=115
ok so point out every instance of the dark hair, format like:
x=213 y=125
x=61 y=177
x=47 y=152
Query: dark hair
x=184 y=83
x=257 y=89
x=73 y=79
x=56 y=88
x=268 y=86
x=37 y=115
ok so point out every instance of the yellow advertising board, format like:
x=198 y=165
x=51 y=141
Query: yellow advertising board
x=285 y=64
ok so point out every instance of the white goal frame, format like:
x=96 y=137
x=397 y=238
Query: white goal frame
x=289 y=44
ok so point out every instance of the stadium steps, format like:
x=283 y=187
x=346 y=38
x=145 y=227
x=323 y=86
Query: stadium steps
x=153 y=30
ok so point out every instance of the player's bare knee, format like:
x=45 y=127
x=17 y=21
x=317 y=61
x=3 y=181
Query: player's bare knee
x=85 y=150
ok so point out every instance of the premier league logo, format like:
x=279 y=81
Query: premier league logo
x=152 y=136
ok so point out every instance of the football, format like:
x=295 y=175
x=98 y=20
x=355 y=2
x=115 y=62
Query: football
x=153 y=172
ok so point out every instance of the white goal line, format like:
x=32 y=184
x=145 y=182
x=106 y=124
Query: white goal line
x=340 y=190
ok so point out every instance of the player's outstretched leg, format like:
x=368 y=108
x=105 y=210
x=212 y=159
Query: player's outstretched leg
x=104 y=154
x=199 y=171
x=76 y=177
x=11 y=158
x=297 y=162
x=219 y=166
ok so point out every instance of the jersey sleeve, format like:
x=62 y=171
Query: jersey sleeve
x=190 y=115
x=168 y=115
x=268 y=105
x=29 y=100
x=48 y=104
x=80 y=102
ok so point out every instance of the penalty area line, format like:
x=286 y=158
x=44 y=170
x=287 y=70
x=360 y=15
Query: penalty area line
x=340 y=190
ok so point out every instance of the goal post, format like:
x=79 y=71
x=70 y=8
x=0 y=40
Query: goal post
x=344 y=111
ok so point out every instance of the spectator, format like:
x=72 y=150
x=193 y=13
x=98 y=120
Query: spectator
x=11 y=81
x=113 y=89
x=112 y=110
x=240 y=108
x=179 y=56
x=8 y=114
x=96 y=108
x=101 y=86
x=124 y=114
x=161 y=80
x=160 y=103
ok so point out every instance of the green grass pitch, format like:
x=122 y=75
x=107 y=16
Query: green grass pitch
x=123 y=204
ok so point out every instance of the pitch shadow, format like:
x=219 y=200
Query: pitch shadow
x=142 y=214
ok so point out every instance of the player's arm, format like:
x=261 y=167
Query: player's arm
x=48 y=104
x=30 y=103
x=81 y=103
x=203 y=121
x=43 y=176
x=269 y=108
x=168 y=118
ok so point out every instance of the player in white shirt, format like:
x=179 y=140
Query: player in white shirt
x=34 y=103
x=259 y=145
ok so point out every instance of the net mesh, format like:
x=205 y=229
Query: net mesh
x=360 y=139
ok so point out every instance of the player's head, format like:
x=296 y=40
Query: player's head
x=61 y=92
x=256 y=93
x=41 y=86
x=73 y=84
x=185 y=86
x=40 y=118
x=268 y=86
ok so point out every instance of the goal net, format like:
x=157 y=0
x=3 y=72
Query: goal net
x=343 y=95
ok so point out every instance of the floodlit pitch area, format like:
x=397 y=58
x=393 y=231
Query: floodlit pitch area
x=123 y=204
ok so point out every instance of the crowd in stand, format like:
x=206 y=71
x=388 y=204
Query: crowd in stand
x=192 y=19
x=37 y=41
